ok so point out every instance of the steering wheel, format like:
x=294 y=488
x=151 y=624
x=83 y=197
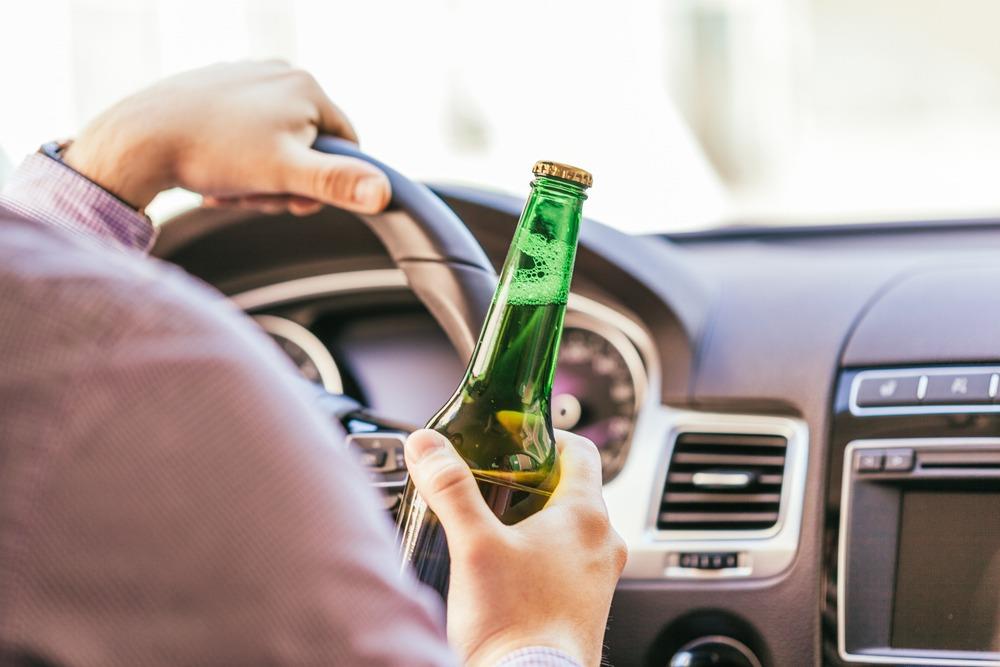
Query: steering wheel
x=448 y=272
x=444 y=265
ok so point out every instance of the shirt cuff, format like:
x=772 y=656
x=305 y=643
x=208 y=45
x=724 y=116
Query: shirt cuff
x=537 y=656
x=50 y=192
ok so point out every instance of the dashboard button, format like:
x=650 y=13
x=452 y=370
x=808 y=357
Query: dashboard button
x=888 y=390
x=899 y=460
x=708 y=561
x=958 y=389
x=869 y=460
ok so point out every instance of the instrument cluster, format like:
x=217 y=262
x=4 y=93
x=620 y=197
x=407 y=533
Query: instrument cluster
x=598 y=389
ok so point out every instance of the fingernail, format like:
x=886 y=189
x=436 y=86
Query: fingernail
x=423 y=443
x=369 y=190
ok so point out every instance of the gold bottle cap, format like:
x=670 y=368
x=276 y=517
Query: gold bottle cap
x=566 y=172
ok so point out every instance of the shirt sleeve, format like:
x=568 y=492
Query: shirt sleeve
x=48 y=191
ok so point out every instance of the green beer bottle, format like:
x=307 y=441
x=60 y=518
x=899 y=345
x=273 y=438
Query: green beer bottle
x=498 y=418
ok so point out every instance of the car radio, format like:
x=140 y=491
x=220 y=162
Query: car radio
x=918 y=578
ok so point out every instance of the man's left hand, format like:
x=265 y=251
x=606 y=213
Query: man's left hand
x=240 y=134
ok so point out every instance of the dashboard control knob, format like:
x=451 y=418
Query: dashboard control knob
x=714 y=651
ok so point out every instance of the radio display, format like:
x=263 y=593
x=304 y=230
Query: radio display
x=947 y=593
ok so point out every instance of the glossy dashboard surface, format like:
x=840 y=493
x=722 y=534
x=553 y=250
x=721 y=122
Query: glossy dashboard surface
x=746 y=328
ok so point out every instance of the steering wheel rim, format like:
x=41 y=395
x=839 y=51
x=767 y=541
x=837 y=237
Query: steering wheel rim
x=444 y=265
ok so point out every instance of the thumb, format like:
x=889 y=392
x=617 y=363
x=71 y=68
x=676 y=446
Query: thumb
x=338 y=180
x=445 y=482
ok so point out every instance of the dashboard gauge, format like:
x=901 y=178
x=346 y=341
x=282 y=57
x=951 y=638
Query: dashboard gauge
x=306 y=351
x=598 y=387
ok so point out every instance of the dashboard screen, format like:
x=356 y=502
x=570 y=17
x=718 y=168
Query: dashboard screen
x=947 y=594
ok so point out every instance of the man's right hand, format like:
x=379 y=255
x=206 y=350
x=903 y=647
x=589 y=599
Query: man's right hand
x=546 y=581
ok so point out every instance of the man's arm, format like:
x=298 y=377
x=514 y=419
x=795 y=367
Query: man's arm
x=244 y=148
x=189 y=507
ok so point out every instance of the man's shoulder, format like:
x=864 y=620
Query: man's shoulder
x=59 y=287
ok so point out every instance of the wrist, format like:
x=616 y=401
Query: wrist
x=133 y=168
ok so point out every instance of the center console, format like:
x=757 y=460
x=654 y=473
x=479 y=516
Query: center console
x=913 y=534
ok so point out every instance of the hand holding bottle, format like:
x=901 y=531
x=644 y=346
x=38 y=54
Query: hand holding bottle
x=545 y=581
x=499 y=419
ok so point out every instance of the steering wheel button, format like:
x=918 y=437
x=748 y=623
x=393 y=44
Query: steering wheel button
x=376 y=449
x=374 y=458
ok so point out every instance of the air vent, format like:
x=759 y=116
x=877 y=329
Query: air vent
x=723 y=481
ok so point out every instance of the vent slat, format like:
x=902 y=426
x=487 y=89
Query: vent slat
x=731 y=439
x=762 y=480
x=719 y=517
x=751 y=506
x=673 y=497
x=728 y=459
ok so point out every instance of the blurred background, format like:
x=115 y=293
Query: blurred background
x=690 y=113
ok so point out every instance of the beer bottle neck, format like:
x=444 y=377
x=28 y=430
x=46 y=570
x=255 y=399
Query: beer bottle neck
x=520 y=338
x=539 y=265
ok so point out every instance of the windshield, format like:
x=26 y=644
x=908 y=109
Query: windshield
x=689 y=113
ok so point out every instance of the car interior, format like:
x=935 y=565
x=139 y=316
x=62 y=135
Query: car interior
x=795 y=395
x=797 y=425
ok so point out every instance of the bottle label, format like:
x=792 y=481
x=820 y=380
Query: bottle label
x=545 y=278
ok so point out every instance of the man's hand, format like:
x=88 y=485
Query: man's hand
x=240 y=134
x=546 y=581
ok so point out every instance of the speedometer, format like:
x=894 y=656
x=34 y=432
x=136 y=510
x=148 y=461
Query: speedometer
x=598 y=388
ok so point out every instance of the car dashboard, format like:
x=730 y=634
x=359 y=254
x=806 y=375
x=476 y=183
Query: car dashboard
x=737 y=383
